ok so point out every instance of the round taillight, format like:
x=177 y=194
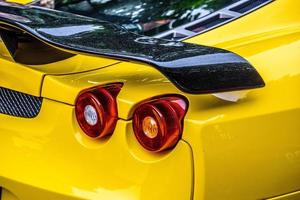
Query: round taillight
x=96 y=110
x=158 y=124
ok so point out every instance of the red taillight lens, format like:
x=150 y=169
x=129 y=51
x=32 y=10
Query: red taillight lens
x=96 y=110
x=158 y=124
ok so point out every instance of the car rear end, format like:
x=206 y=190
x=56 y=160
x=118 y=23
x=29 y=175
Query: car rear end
x=51 y=157
x=235 y=145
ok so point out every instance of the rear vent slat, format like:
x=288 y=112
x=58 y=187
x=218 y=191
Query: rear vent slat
x=206 y=24
x=234 y=11
x=249 y=5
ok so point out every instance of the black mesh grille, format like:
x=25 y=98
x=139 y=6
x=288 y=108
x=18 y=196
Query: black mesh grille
x=19 y=104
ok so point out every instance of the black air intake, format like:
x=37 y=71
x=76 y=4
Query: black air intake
x=19 y=104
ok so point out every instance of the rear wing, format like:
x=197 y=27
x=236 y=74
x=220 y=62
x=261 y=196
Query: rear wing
x=192 y=68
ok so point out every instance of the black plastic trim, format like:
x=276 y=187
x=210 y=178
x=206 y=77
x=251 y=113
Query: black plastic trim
x=9 y=41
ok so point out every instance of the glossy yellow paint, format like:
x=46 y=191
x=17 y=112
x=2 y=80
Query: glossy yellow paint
x=20 y=1
x=31 y=77
x=252 y=147
x=49 y=156
x=20 y=78
x=7 y=195
x=247 y=149
x=290 y=196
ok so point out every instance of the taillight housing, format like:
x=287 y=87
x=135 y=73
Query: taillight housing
x=96 y=110
x=158 y=123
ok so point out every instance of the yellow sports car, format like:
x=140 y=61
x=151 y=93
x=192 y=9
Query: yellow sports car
x=170 y=100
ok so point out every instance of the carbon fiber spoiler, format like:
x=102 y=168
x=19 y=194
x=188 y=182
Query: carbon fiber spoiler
x=192 y=68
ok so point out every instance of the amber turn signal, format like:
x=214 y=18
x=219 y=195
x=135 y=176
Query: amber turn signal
x=158 y=123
